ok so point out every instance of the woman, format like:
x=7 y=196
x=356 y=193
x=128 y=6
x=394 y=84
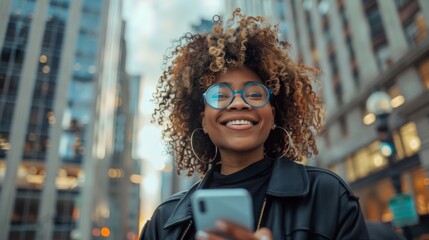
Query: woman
x=237 y=109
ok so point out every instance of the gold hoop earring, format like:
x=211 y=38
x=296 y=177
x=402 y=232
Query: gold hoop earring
x=288 y=135
x=195 y=154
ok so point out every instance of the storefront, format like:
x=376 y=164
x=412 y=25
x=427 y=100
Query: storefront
x=370 y=177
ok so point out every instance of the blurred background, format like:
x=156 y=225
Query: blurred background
x=79 y=158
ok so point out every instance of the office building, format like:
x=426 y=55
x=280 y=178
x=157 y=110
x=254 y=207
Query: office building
x=61 y=120
x=360 y=46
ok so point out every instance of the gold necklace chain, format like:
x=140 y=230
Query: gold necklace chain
x=262 y=213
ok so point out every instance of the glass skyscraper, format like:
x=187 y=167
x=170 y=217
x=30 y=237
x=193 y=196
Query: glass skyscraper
x=59 y=67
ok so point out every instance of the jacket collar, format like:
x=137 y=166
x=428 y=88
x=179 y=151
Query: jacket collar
x=288 y=179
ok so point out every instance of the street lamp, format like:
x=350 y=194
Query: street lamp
x=378 y=103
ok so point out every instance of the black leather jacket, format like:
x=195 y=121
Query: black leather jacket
x=303 y=203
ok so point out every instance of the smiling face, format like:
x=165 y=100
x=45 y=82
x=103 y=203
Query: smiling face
x=239 y=128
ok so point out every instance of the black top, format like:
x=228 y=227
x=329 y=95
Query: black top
x=254 y=178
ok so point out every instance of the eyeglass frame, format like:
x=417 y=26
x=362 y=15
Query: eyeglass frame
x=241 y=92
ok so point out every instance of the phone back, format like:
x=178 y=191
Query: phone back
x=234 y=205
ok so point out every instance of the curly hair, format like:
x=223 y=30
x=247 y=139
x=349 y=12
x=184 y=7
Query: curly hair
x=196 y=61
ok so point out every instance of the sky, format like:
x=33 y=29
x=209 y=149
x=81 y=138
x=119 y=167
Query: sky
x=153 y=24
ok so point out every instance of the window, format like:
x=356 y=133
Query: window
x=421 y=28
x=377 y=160
x=333 y=61
x=326 y=138
x=415 y=30
x=338 y=89
x=383 y=57
x=365 y=161
x=361 y=162
x=351 y=174
x=369 y=159
x=424 y=72
x=401 y=3
x=375 y=21
x=315 y=55
x=4 y=142
x=420 y=184
x=26 y=209
x=12 y=54
x=374 y=198
x=410 y=139
x=5 y=54
x=6 y=120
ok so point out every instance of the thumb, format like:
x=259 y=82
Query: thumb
x=263 y=234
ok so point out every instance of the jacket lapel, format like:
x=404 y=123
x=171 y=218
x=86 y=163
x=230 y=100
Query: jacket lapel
x=288 y=179
x=183 y=211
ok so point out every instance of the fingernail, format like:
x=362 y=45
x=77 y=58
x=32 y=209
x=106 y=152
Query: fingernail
x=221 y=225
x=201 y=235
x=264 y=238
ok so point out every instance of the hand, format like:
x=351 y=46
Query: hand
x=237 y=232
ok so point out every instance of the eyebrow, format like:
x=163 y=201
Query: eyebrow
x=229 y=83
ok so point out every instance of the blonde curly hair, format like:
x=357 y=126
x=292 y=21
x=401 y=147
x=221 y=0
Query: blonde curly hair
x=197 y=60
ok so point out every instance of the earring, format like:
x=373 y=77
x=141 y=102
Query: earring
x=288 y=135
x=195 y=154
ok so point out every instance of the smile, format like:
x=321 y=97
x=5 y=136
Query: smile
x=239 y=122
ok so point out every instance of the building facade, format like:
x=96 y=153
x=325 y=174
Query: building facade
x=359 y=46
x=61 y=119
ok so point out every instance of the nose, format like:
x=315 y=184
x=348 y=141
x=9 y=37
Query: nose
x=238 y=103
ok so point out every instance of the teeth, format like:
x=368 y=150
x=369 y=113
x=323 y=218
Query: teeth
x=239 y=122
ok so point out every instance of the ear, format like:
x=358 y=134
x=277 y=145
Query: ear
x=273 y=110
x=202 y=118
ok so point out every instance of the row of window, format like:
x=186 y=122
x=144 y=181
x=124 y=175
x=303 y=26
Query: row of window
x=397 y=100
x=414 y=26
x=375 y=197
x=369 y=159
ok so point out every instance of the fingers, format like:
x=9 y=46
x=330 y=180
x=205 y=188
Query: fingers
x=234 y=230
x=263 y=234
x=224 y=229
x=203 y=235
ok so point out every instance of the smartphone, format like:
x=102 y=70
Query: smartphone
x=210 y=205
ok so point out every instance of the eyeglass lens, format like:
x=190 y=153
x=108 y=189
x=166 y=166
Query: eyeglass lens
x=219 y=96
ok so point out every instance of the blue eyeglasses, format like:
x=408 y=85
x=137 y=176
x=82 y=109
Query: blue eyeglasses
x=221 y=95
